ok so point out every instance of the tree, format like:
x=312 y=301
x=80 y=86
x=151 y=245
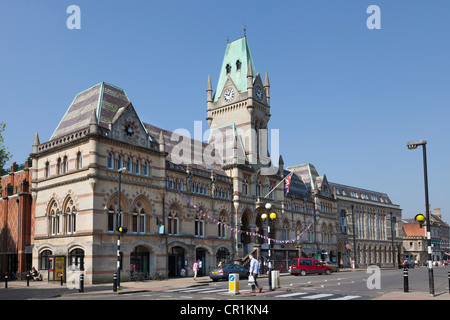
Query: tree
x=4 y=154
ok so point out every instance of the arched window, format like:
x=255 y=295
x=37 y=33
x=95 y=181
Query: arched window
x=47 y=170
x=172 y=221
x=110 y=161
x=44 y=262
x=221 y=226
x=245 y=187
x=70 y=217
x=145 y=168
x=76 y=259
x=115 y=218
x=238 y=65
x=79 y=162
x=199 y=226
x=138 y=218
x=119 y=162
x=53 y=217
x=111 y=214
x=228 y=68
x=137 y=167
x=343 y=221
x=129 y=165
x=65 y=165
x=58 y=166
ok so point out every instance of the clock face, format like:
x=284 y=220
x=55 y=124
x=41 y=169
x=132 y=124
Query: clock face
x=129 y=130
x=228 y=95
x=259 y=93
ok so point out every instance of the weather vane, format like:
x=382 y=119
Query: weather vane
x=245 y=30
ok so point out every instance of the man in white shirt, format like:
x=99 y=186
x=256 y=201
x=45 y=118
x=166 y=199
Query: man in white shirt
x=254 y=271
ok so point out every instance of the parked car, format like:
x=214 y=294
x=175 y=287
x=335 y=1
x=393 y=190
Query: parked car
x=406 y=264
x=224 y=272
x=332 y=265
x=304 y=266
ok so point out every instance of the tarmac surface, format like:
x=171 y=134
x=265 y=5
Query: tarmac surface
x=18 y=290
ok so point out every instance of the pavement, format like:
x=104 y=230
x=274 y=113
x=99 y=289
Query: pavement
x=18 y=290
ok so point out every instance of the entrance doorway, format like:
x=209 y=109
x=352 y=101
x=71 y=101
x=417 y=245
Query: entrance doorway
x=177 y=262
x=140 y=260
x=200 y=254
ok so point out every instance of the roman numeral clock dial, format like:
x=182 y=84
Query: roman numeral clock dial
x=228 y=95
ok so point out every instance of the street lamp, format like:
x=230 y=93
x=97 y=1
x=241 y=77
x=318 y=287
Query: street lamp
x=413 y=145
x=119 y=227
x=264 y=217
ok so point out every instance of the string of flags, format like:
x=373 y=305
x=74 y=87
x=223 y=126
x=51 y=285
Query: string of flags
x=248 y=233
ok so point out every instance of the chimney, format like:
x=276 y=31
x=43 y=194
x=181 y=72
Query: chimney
x=437 y=212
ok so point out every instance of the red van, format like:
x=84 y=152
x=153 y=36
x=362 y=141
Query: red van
x=304 y=266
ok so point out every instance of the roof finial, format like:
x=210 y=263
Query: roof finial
x=245 y=30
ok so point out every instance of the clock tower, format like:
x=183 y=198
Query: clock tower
x=241 y=102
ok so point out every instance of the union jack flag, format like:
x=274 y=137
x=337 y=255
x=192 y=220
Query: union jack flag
x=288 y=183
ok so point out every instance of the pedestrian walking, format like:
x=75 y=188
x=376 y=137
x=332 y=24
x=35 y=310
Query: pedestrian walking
x=195 y=269
x=254 y=271
x=200 y=271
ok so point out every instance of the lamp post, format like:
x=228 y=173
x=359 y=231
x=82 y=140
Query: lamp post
x=265 y=218
x=413 y=145
x=119 y=227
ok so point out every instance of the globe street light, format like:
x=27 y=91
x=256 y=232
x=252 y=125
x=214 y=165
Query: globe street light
x=264 y=217
x=413 y=145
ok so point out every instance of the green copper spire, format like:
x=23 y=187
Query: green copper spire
x=235 y=64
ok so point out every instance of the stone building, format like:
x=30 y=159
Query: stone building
x=183 y=199
x=415 y=241
x=370 y=227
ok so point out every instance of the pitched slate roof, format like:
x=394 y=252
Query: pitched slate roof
x=308 y=174
x=297 y=188
x=361 y=194
x=195 y=159
x=104 y=98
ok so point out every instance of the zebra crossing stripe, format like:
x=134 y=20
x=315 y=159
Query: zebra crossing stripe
x=290 y=295
x=318 y=296
x=346 y=298
x=196 y=290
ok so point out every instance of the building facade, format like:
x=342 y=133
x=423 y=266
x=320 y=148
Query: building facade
x=415 y=243
x=16 y=220
x=370 y=227
x=182 y=199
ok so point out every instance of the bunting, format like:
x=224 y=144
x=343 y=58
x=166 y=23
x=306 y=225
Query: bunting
x=249 y=233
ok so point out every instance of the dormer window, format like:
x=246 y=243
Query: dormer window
x=228 y=67
x=238 y=65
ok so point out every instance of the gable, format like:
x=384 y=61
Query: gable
x=127 y=127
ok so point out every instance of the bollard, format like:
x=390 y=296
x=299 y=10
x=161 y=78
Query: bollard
x=233 y=283
x=62 y=280
x=81 y=289
x=115 y=282
x=275 y=279
x=6 y=282
x=405 y=280
x=449 y=282
x=28 y=279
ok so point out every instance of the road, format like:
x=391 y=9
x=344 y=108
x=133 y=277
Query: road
x=357 y=285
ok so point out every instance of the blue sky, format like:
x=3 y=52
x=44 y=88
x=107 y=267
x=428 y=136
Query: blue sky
x=345 y=98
